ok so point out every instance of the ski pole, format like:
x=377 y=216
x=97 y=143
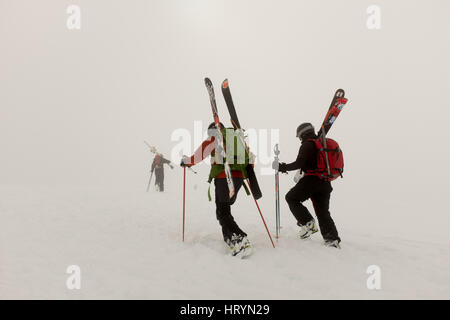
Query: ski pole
x=184 y=198
x=260 y=213
x=192 y=170
x=277 y=194
x=277 y=206
x=278 y=203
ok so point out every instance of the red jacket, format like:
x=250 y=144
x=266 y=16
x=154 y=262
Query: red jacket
x=206 y=149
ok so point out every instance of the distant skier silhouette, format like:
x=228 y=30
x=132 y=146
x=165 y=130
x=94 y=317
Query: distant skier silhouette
x=158 y=167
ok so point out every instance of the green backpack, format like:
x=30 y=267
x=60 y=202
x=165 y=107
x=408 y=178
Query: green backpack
x=236 y=156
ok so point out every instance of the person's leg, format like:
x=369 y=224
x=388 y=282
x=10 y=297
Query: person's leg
x=237 y=182
x=158 y=179
x=223 y=208
x=298 y=194
x=161 y=185
x=321 y=201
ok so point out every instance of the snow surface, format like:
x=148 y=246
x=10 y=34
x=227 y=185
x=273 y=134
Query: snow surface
x=128 y=246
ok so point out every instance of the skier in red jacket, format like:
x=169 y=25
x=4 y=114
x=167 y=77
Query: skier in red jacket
x=232 y=234
x=158 y=167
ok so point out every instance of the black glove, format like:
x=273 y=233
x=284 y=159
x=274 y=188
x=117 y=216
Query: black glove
x=282 y=167
x=183 y=162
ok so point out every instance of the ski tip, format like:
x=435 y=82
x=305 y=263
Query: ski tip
x=207 y=81
x=225 y=84
x=340 y=93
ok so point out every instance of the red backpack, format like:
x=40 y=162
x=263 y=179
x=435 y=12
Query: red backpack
x=157 y=160
x=335 y=160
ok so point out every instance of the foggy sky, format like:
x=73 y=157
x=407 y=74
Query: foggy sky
x=75 y=106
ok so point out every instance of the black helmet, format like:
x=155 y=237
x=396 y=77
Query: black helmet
x=212 y=125
x=304 y=128
x=212 y=128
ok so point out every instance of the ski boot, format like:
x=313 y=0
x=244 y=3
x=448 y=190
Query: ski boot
x=239 y=245
x=332 y=243
x=308 y=229
x=246 y=248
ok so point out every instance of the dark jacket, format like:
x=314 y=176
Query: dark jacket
x=306 y=158
x=158 y=162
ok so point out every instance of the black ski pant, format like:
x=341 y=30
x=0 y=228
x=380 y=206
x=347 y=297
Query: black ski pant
x=159 y=178
x=311 y=187
x=223 y=207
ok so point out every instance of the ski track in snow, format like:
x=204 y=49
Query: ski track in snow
x=128 y=245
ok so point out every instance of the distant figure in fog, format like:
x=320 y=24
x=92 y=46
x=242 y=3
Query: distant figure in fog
x=158 y=168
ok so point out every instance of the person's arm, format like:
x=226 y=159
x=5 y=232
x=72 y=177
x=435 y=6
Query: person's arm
x=306 y=149
x=165 y=161
x=205 y=149
x=169 y=163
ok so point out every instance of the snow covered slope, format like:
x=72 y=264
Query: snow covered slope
x=128 y=245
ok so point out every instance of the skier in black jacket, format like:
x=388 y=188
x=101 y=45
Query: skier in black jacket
x=158 y=167
x=310 y=187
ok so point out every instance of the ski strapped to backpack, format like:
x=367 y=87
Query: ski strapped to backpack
x=337 y=104
x=330 y=160
x=251 y=176
x=220 y=149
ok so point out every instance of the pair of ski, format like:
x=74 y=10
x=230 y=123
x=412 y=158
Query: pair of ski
x=337 y=104
x=251 y=176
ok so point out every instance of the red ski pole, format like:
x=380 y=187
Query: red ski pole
x=184 y=198
x=260 y=213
